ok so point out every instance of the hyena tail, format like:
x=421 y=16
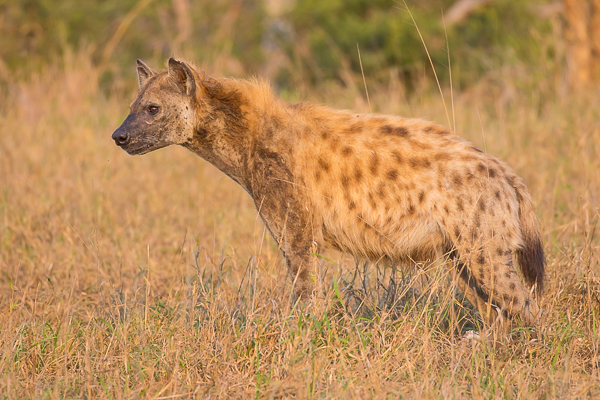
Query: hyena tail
x=530 y=257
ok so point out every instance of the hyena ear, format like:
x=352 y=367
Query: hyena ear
x=183 y=76
x=144 y=72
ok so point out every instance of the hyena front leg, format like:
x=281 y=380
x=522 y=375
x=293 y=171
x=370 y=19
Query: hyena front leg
x=291 y=225
x=283 y=207
x=292 y=230
x=300 y=264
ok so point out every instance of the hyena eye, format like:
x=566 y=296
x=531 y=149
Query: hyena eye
x=152 y=110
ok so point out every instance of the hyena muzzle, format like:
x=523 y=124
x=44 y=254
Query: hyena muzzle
x=379 y=187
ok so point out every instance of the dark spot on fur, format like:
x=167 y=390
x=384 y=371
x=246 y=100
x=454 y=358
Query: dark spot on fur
x=299 y=237
x=457 y=179
x=276 y=123
x=357 y=175
x=446 y=210
x=492 y=173
x=481 y=168
x=324 y=135
x=392 y=174
x=497 y=194
x=389 y=220
x=468 y=158
x=510 y=180
x=334 y=142
x=421 y=197
x=356 y=127
x=418 y=144
x=459 y=204
x=346 y=151
x=397 y=157
x=323 y=164
x=499 y=251
x=456 y=231
x=481 y=203
x=442 y=157
x=476 y=149
x=394 y=130
x=437 y=130
x=481 y=259
x=411 y=209
x=318 y=176
x=372 y=201
x=512 y=286
x=419 y=162
x=381 y=190
x=352 y=206
x=270 y=132
x=374 y=163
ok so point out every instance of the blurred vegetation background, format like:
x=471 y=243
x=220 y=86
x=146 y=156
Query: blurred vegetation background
x=295 y=42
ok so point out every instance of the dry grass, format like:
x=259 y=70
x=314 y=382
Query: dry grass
x=129 y=277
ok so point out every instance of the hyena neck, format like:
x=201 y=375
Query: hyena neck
x=240 y=118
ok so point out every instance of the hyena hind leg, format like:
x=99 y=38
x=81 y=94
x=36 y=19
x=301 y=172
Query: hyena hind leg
x=503 y=292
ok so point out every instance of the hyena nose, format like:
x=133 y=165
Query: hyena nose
x=120 y=137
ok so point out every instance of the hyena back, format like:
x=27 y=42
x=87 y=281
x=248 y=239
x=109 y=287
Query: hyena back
x=378 y=187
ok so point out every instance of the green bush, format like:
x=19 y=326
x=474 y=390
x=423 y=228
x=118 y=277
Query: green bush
x=320 y=37
x=387 y=37
x=34 y=32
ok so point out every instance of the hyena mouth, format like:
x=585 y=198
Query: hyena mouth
x=140 y=150
x=144 y=148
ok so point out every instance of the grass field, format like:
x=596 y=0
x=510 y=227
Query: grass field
x=153 y=277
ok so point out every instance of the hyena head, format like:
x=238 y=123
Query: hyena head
x=162 y=113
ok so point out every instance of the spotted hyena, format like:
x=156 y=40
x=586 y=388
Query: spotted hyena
x=376 y=186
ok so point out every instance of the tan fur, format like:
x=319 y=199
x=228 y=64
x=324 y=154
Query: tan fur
x=376 y=186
